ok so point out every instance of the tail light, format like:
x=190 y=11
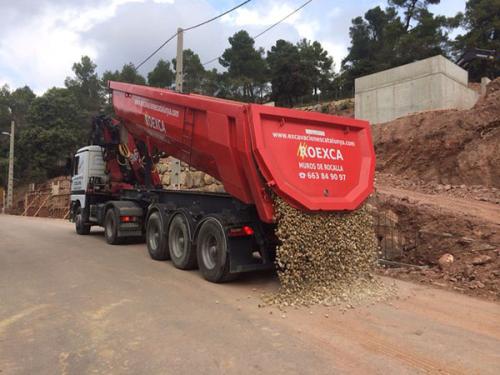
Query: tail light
x=128 y=219
x=241 y=231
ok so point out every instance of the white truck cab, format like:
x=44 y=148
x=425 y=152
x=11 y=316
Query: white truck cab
x=88 y=166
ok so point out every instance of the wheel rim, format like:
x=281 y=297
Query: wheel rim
x=178 y=240
x=78 y=220
x=154 y=236
x=209 y=247
x=110 y=227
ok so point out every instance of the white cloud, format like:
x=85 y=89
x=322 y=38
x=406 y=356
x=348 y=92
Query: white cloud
x=337 y=50
x=334 y=12
x=260 y=16
x=268 y=13
x=42 y=50
x=5 y=81
x=307 y=30
x=40 y=40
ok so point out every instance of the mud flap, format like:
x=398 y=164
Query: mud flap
x=244 y=256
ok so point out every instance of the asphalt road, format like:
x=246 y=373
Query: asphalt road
x=72 y=304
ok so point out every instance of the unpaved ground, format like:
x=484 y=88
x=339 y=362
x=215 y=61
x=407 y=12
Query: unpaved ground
x=431 y=225
x=438 y=179
x=485 y=211
x=73 y=305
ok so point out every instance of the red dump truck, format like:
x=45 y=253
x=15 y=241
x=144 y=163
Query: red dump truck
x=313 y=161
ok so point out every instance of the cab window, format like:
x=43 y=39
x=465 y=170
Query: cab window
x=76 y=163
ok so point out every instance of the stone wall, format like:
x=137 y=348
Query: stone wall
x=189 y=178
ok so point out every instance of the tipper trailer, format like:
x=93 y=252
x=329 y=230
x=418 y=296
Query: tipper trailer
x=313 y=161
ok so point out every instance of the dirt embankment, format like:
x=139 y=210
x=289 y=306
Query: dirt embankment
x=438 y=181
x=421 y=228
x=445 y=147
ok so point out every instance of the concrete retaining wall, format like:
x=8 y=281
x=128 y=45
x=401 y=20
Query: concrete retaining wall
x=433 y=83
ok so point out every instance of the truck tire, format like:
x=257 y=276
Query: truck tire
x=211 y=250
x=182 y=254
x=156 y=239
x=111 y=227
x=80 y=226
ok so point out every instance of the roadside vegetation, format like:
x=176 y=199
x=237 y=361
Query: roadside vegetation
x=52 y=126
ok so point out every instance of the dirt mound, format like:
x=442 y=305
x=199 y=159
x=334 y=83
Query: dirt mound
x=447 y=146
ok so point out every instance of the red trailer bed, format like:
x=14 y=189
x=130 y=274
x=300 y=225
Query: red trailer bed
x=313 y=161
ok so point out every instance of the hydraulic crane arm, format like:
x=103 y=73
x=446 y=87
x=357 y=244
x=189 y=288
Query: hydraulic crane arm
x=313 y=161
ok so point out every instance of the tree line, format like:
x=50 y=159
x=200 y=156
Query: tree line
x=52 y=126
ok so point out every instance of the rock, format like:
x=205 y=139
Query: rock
x=469 y=270
x=219 y=188
x=447 y=187
x=476 y=284
x=391 y=216
x=483 y=247
x=209 y=180
x=481 y=259
x=198 y=179
x=210 y=188
x=465 y=240
x=162 y=167
x=165 y=180
x=445 y=261
x=186 y=180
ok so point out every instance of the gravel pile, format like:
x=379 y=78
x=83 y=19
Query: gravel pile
x=325 y=258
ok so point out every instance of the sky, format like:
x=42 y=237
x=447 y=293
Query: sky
x=41 y=39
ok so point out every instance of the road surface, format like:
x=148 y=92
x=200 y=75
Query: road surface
x=74 y=305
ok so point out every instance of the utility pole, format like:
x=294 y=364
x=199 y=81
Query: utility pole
x=179 y=74
x=10 y=183
x=179 y=80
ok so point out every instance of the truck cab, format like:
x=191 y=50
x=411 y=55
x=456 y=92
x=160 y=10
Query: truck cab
x=88 y=169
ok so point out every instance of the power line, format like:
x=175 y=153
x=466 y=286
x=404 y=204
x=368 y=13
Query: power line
x=219 y=16
x=267 y=29
x=281 y=20
x=191 y=28
x=155 y=51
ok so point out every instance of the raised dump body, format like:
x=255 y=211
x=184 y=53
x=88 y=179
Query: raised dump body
x=314 y=161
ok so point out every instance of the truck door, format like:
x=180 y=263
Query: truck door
x=78 y=178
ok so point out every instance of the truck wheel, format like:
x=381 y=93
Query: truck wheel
x=156 y=239
x=80 y=226
x=213 y=259
x=111 y=227
x=179 y=243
